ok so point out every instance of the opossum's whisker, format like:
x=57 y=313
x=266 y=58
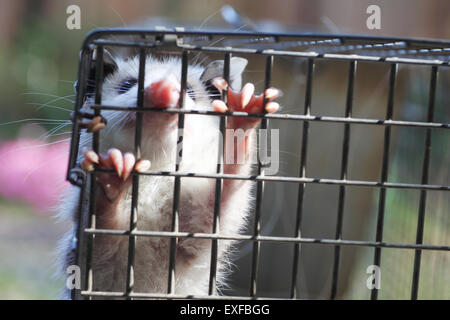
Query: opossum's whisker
x=51 y=95
x=38 y=121
x=117 y=14
x=34 y=146
x=67 y=81
x=58 y=134
x=118 y=121
x=209 y=18
x=41 y=105
x=199 y=95
x=43 y=164
x=283 y=110
x=223 y=38
x=203 y=60
x=217 y=41
x=280 y=151
x=53 y=131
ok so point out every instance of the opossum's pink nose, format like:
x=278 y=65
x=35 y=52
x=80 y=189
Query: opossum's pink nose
x=162 y=94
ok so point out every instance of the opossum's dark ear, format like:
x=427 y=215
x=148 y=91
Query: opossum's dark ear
x=215 y=69
x=109 y=63
x=109 y=66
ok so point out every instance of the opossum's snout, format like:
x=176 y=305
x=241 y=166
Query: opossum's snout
x=162 y=94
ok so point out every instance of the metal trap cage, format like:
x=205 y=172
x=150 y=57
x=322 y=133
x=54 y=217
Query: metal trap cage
x=310 y=48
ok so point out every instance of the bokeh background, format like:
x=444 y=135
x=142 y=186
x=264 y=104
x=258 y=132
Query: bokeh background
x=38 y=59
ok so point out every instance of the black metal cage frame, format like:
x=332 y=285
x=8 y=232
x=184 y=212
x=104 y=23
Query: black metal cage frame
x=311 y=47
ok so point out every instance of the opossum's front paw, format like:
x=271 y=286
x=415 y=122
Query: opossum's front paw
x=245 y=101
x=113 y=184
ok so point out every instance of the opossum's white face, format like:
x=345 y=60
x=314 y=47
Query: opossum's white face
x=120 y=88
x=162 y=85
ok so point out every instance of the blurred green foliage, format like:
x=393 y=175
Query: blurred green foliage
x=38 y=65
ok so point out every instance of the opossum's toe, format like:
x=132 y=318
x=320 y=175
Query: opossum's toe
x=142 y=165
x=90 y=158
x=114 y=160
x=272 y=107
x=128 y=163
x=246 y=94
x=272 y=93
x=219 y=106
x=122 y=164
x=245 y=101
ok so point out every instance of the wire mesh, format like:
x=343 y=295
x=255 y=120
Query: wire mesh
x=434 y=54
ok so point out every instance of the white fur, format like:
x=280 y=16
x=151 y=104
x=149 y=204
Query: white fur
x=200 y=151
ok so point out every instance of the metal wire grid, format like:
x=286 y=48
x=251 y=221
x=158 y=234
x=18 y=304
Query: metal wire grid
x=185 y=43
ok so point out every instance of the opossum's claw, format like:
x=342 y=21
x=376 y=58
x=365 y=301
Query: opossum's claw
x=245 y=101
x=122 y=164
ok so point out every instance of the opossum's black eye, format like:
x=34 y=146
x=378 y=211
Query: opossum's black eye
x=126 y=85
x=190 y=92
x=213 y=92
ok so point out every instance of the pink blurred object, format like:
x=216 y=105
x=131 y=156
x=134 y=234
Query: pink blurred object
x=34 y=171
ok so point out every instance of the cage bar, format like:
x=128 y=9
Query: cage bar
x=96 y=148
x=75 y=140
x=80 y=90
x=218 y=191
x=293 y=117
x=302 y=186
x=343 y=176
x=78 y=232
x=176 y=191
x=260 y=187
x=135 y=183
x=343 y=242
x=312 y=47
x=423 y=193
x=358 y=183
x=384 y=171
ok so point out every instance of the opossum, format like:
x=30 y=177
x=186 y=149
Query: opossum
x=159 y=148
